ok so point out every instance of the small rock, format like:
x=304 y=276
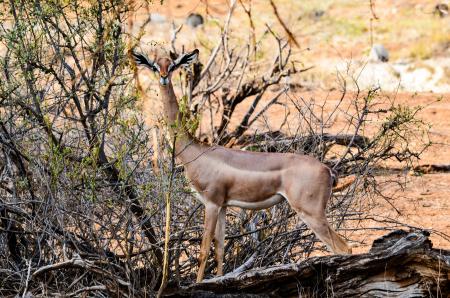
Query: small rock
x=379 y=53
x=426 y=205
x=317 y=14
x=426 y=192
x=194 y=20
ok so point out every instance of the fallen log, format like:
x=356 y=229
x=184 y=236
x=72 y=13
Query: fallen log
x=422 y=169
x=273 y=141
x=432 y=168
x=399 y=264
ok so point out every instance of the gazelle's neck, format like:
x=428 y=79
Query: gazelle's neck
x=186 y=146
x=171 y=109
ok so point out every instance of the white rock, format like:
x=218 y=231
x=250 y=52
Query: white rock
x=378 y=53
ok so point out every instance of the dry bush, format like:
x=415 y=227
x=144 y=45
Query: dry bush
x=76 y=189
x=81 y=208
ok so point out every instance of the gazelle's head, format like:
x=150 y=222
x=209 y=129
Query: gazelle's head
x=164 y=66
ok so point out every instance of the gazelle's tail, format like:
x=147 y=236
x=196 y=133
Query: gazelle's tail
x=334 y=177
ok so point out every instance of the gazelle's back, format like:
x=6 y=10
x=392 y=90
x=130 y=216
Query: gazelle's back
x=261 y=161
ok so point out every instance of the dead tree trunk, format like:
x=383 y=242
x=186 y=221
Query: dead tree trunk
x=400 y=264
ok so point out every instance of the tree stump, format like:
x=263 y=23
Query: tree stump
x=399 y=264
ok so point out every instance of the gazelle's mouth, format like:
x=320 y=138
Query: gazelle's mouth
x=164 y=80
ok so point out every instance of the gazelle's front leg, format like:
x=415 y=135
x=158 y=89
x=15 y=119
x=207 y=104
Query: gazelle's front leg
x=219 y=237
x=211 y=213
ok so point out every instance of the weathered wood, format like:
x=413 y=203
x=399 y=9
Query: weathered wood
x=400 y=264
x=432 y=168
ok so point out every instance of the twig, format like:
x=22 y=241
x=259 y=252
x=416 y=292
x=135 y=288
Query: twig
x=291 y=37
x=173 y=36
x=221 y=43
x=88 y=289
x=372 y=9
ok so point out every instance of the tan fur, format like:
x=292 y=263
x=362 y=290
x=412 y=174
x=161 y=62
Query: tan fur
x=227 y=177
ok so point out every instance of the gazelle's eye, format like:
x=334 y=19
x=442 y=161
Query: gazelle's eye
x=171 y=67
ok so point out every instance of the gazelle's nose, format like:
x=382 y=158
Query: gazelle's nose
x=164 y=80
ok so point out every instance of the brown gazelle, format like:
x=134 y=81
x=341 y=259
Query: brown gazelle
x=226 y=177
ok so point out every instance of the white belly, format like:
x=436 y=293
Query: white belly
x=269 y=202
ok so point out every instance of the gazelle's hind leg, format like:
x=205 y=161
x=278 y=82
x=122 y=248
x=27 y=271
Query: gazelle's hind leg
x=319 y=225
x=309 y=199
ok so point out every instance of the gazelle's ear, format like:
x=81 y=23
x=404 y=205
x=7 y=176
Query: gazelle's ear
x=173 y=56
x=144 y=61
x=185 y=60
